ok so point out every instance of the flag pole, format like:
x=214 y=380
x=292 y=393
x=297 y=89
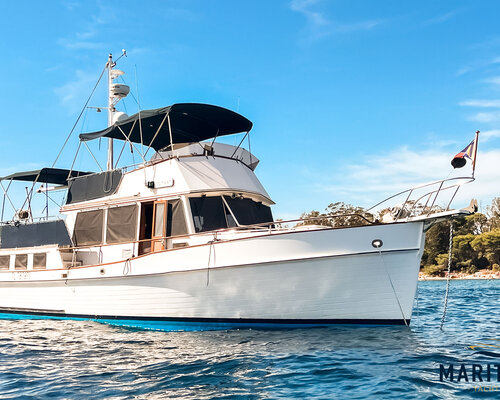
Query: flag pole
x=475 y=153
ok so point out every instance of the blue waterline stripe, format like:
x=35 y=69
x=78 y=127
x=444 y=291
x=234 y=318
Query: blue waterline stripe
x=196 y=324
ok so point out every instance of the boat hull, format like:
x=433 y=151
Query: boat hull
x=297 y=279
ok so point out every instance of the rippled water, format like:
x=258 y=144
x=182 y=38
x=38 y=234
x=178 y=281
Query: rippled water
x=80 y=360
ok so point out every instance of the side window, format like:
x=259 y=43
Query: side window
x=39 y=260
x=4 y=263
x=122 y=224
x=208 y=213
x=88 y=228
x=21 y=261
x=176 y=219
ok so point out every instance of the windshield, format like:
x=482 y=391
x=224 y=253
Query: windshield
x=212 y=213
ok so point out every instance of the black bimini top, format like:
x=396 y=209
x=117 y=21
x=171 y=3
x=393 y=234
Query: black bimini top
x=45 y=175
x=190 y=122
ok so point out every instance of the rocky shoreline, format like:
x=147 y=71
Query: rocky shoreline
x=481 y=274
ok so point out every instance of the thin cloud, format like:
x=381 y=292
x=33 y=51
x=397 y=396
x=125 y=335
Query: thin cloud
x=82 y=40
x=358 y=26
x=494 y=80
x=378 y=177
x=73 y=93
x=442 y=18
x=481 y=103
x=490 y=134
x=319 y=25
x=485 y=117
x=463 y=71
x=72 y=44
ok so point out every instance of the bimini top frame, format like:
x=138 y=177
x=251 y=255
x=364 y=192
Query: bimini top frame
x=178 y=123
x=56 y=176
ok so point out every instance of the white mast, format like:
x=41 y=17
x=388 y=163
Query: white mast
x=116 y=92
x=110 y=112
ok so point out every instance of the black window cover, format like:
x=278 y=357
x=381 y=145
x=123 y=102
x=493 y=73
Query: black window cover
x=4 y=263
x=122 y=224
x=34 y=234
x=21 y=261
x=249 y=212
x=39 y=260
x=88 y=228
x=93 y=186
x=208 y=213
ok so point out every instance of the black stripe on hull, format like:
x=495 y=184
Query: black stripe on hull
x=188 y=320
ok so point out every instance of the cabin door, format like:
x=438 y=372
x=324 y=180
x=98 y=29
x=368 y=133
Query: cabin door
x=159 y=240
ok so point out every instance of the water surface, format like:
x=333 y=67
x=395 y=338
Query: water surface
x=42 y=359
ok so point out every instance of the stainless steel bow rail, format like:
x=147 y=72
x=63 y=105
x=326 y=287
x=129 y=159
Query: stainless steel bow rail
x=412 y=205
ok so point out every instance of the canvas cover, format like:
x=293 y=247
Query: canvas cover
x=55 y=176
x=190 y=122
x=39 y=260
x=4 y=263
x=21 y=261
x=34 y=234
x=208 y=213
x=175 y=214
x=122 y=224
x=88 y=228
x=249 y=212
x=93 y=186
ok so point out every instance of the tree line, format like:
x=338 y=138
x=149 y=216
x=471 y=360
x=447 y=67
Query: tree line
x=476 y=237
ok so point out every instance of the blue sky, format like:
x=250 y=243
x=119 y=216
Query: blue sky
x=351 y=100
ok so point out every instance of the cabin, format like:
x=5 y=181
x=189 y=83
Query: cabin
x=186 y=194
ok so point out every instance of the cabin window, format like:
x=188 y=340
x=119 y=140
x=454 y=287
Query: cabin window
x=21 y=261
x=208 y=213
x=122 y=224
x=4 y=263
x=159 y=220
x=88 y=228
x=249 y=212
x=39 y=260
x=176 y=219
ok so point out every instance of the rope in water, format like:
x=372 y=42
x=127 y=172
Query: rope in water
x=447 y=276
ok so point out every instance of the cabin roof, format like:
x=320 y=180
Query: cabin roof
x=189 y=122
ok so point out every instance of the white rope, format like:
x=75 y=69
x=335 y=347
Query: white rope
x=392 y=286
x=447 y=277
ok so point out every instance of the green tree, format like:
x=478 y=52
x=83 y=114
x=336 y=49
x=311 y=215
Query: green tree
x=493 y=212
x=472 y=224
x=437 y=240
x=487 y=245
x=344 y=215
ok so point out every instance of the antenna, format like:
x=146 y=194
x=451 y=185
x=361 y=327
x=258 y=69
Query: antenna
x=116 y=92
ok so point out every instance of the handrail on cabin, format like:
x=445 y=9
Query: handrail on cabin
x=263 y=225
x=270 y=225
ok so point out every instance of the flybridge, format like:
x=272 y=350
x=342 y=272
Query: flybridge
x=178 y=123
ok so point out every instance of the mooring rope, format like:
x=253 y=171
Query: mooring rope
x=447 y=276
x=392 y=286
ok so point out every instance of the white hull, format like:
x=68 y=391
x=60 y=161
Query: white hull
x=316 y=276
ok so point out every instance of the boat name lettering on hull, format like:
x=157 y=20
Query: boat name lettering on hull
x=21 y=275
